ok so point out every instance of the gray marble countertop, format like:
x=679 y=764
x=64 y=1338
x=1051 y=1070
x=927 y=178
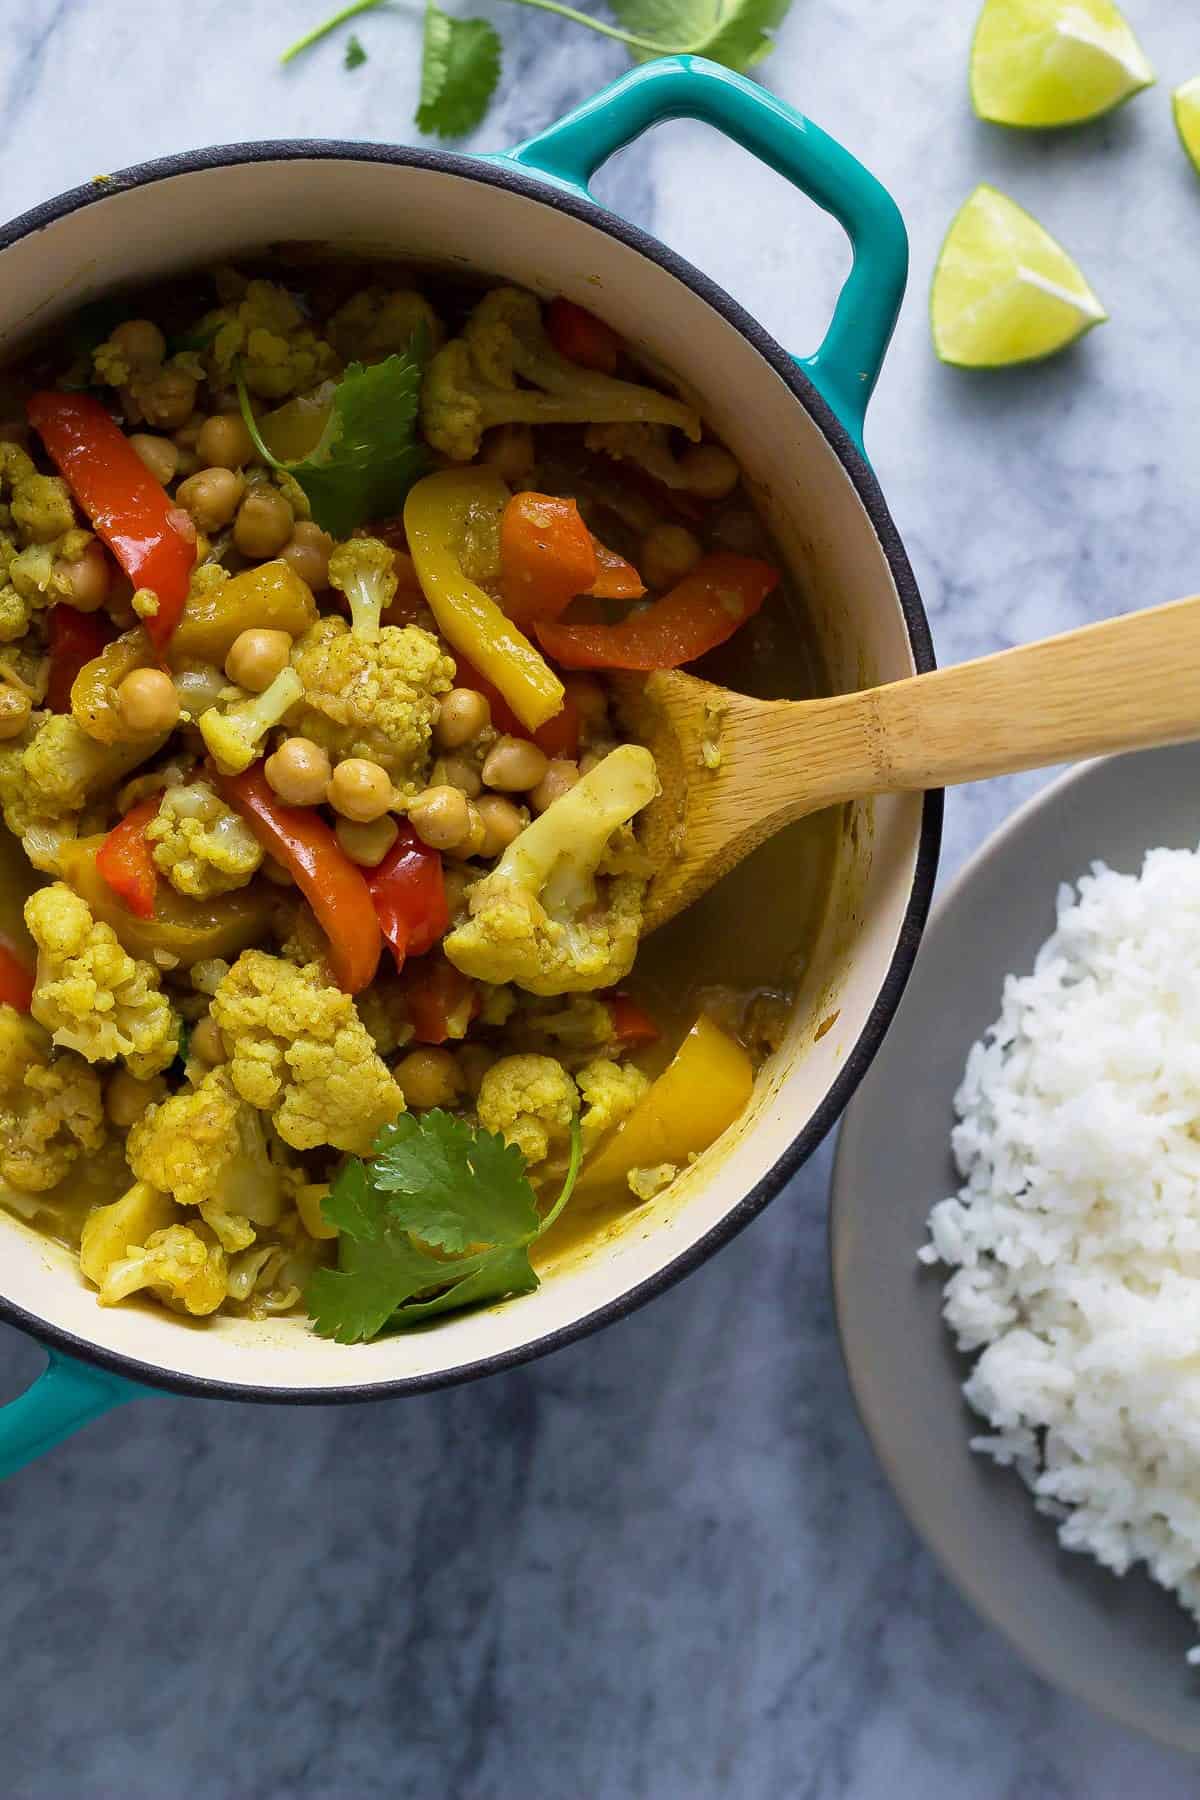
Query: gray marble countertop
x=662 y=1564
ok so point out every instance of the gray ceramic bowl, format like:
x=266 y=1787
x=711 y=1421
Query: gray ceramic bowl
x=1118 y=1644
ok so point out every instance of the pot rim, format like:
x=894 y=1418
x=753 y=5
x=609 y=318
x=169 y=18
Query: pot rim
x=501 y=173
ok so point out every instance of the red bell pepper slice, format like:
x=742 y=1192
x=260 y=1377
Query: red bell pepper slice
x=334 y=887
x=153 y=539
x=409 y=894
x=546 y=556
x=581 y=337
x=73 y=639
x=617 y=579
x=631 y=1023
x=16 y=979
x=441 y=1001
x=126 y=860
x=700 y=612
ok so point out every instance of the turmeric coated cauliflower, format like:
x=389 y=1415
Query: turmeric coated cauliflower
x=610 y=1091
x=530 y=1101
x=539 y=919
x=378 y=322
x=376 y=699
x=90 y=995
x=50 y=1110
x=201 y=845
x=300 y=1051
x=208 y=1148
x=266 y=332
x=182 y=1265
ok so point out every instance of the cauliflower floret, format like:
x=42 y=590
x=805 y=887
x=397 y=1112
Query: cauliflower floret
x=538 y=919
x=383 y=1009
x=646 y=1183
x=376 y=322
x=64 y=768
x=374 y=699
x=610 y=1090
x=234 y=733
x=647 y=445
x=181 y=1265
x=530 y=1101
x=42 y=509
x=90 y=995
x=471 y=384
x=50 y=1110
x=299 y=1051
x=201 y=845
x=364 y=569
x=209 y=1149
x=266 y=332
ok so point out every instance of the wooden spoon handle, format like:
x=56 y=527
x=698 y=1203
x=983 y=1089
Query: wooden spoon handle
x=1126 y=684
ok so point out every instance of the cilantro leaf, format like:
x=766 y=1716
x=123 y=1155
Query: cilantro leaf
x=462 y=1186
x=368 y=455
x=733 y=32
x=355 y=55
x=435 y=1186
x=460 y=67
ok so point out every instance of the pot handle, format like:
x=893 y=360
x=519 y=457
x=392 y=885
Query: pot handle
x=845 y=367
x=65 y=1396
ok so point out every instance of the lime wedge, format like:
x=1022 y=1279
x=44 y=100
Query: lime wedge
x=1003 y=290
x=1185 y=102
x=1053 y=62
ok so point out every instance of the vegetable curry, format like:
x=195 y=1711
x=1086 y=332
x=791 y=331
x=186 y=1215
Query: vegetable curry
x=322 y=991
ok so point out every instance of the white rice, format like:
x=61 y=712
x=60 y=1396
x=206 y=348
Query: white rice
x=1075 y=1237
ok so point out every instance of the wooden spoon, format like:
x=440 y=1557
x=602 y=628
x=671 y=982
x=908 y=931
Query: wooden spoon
x=1129 y=683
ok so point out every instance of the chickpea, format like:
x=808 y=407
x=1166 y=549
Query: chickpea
x=140 y=341
x=514 y=765
x=87 y=579
x=463 y=716
x=211 y=496
x=166 y=398
x=275 y=871
x=126 y=1098
x=457 y=882
x=472 y=844
x=360 y=789
x=206 y=1042
x=223 y=442
x=501 y=823
x=187 y=434
x=367 y=844
x=159 y=454
x=189 y=462
x=459 y=772
x=428 y=1078
x=509 y=450
x=441 y=817
x=264 y=523
x=256 y=657
x=710 y=471
x=308 y=552
x=559 y=779
x=147 y=701
x=668 y=553
x=14 y=711
x=474 y=1061
x=299 y=772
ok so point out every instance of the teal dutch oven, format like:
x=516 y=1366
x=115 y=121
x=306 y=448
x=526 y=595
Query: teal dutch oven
x=796 y=427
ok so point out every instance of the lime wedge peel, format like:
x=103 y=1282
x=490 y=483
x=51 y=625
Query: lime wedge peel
x=1004 y=291
x=1045 y=63
x=1185 y=103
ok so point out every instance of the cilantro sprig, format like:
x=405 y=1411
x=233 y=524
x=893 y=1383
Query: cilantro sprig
x=440 y=1218
x=461 y=58
x=368 y=454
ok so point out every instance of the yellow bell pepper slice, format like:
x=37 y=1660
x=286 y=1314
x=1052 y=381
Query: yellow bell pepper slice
x=437 y=521
x=702 y=1090
x=270 y=596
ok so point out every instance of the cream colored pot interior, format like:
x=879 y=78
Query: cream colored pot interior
x=819 y=523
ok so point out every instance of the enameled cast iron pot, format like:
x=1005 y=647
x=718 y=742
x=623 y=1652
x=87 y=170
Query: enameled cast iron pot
x=795 y=427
